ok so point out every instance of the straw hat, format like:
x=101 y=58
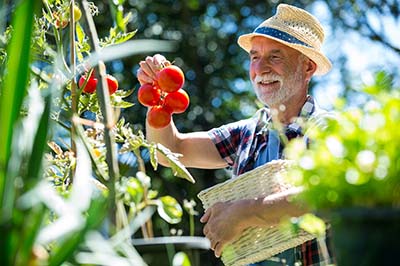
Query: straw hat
x=295 y=28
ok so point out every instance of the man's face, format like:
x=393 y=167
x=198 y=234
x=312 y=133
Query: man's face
x=276 y=71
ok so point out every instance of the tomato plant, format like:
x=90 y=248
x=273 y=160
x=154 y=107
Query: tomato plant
x=177 y=101
x=170 y=78
x=158 y=116
x=82 y=165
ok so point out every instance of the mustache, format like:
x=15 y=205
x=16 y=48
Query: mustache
x=267 y=78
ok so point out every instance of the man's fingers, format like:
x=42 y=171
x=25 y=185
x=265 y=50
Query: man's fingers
x=206 y=215
x=218 y=249
x=205 y=230
x=150 y=66
x=143 y=77
x=154 y=66
x=213 y=244
x=160 y=61
x=147 y=69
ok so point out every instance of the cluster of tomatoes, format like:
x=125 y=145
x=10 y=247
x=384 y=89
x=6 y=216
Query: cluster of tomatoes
x=164 y=96
x=91 y=83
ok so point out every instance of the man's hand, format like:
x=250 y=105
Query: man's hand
x=150 y=67
x=226 y=221
x=224 y=224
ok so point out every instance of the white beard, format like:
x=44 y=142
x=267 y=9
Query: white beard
x=284 y=93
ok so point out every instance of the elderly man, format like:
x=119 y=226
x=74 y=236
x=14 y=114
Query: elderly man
x=285 y=52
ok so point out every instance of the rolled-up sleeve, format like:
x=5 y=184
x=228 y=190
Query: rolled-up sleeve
x=227 y=139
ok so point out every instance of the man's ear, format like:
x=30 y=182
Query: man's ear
x=310 y=67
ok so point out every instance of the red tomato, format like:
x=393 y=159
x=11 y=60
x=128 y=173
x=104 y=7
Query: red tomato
x=90 y=85
x=170 y=78
x=112 y=83
x=158 y=117
x=149 y=95
x=177 y=101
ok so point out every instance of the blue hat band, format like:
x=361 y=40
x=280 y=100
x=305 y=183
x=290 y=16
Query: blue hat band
x=280 y=35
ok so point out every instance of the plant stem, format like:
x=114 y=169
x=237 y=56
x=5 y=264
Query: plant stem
x=147 y=228
x=57 y=36
x=74 y=99
x=191 y=224
x=105 y=106
x=122 y=222
x=141 y=164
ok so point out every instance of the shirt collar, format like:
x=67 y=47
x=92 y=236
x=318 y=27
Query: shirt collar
x=265 y=118
x=305 y=113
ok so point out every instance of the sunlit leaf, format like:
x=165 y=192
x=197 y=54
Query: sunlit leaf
x=122 y=104
x=176 y=166
x=124 y=93
x=13 y=87
x=153 y=156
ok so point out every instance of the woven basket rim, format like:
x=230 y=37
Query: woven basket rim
x=255 y=244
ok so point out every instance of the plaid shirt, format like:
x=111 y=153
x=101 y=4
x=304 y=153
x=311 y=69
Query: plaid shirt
x=239 y=143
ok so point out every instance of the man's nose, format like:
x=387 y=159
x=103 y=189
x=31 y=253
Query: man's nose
x=263 y=67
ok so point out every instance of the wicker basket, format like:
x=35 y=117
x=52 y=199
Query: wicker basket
x=256 y=244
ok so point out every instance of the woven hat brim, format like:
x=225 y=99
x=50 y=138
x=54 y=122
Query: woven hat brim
x=323 y=63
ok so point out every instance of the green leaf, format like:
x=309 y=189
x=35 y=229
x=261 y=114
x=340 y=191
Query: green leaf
x=98 y=169
x=153 y=156
x=120 y=19
x=132 y=142
x=116 y=38
x=178 y=169
x=39 y=144
x=12 y=91
x=80 y=34
x=65 y=249
x=124 y=93
x=169 y=209
x=122 y=104
x=81 y=44
x=29 y=233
